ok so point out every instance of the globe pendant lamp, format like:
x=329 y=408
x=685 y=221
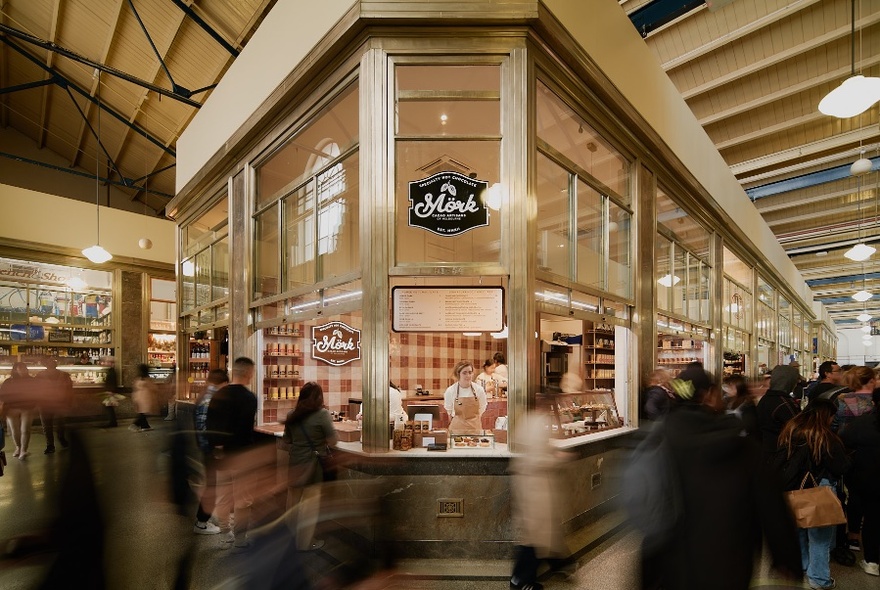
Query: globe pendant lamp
x=856 y=94
x=96 y=253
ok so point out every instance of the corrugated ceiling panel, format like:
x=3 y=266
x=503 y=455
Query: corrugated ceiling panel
x=86 y=25
x=33 y=16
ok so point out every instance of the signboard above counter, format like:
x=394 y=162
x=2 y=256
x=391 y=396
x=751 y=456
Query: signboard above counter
x=447 y=309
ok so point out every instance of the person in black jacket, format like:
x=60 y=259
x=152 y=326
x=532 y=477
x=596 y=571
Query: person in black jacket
x=230 y=431
x=777 y=407
x=809 y=446
x=730 y=505
x=862 y=438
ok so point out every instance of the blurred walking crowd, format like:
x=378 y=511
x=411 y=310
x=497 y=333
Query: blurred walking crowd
x=732 y=452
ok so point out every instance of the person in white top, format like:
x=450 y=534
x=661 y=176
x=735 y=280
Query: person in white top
x=500 y=374
x=465 y=401
x=485 y=379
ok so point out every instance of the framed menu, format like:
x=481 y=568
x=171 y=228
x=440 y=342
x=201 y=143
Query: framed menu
x=447 y=309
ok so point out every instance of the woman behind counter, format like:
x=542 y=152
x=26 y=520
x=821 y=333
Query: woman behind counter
x=465 y=401
x=485 y=379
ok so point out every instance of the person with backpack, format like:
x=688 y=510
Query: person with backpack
x=777 y=407
x=727 y=505
x=807 y=445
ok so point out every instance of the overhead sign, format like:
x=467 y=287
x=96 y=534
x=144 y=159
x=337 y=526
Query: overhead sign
x=447 y=309
x=336 y=343
x=447 y=204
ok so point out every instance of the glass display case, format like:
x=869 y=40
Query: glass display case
x=576 y=414
x=83 y=376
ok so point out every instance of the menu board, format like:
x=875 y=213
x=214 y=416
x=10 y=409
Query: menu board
x=447 y=309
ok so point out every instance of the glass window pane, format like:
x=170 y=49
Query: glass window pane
x=417 y=160
x=337 y=195
x=663 y=272
x=188 y=281
x=679 y=281
x=198 y=234
x=203 y=277
x=737 y=269
x=299 y=237
x=553 y=218
x=333 y=132
x=590 y=237
x=619 y=261
x=683 y=228
x=705 y=286
x=266 y=253
x=220 y=269
x=449 y=117
x=568 y=133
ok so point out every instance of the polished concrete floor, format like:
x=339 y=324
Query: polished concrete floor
x=149 y=544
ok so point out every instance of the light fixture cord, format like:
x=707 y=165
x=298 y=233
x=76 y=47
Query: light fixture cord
x=98 y=161
x=853 y=40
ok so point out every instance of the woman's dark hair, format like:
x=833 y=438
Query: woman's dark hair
x=488 y=363
x=499 y=358
x=311 y=399
x=143 y=371
x=741 y=390
x=813 y=427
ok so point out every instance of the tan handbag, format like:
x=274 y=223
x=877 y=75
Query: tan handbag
x=816 y=506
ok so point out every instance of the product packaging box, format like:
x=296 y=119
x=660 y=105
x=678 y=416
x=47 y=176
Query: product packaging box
x=500 y=436
x=347 y=431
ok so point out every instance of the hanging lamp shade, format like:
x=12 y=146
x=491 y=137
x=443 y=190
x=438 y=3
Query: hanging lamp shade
x=855 y=96
x=860 y=252
x=864 y=317
x=862 y=296
x=97 y=254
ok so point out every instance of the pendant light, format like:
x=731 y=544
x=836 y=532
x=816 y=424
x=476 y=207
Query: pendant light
x=861 y=251
x=96 y=253
x=857 y=93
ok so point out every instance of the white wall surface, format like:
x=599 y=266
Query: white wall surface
x=851 y=349
x=46 y=219
x=290 y=30
x=616 y=47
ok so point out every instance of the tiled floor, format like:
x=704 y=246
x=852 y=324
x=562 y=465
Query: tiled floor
x=147 y=541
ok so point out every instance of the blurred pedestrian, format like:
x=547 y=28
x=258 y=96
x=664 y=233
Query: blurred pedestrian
x=230 y=430
x=56 y=400
x=143 y=395
x=658 y=396
x=217 y=379
x=808 y=446
x=538 y=500
x=18 y=394
x=729 y=504
x=777 y=407
x=740 y=402
x=830 y=377
x=111 y=395
x=862 y=438
x=309 y=432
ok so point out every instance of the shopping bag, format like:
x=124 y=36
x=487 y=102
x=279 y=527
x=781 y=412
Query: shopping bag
x=817 y=506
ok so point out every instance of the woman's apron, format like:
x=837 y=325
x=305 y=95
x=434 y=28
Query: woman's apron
x=467 y=415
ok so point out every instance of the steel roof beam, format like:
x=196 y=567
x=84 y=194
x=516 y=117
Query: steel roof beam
x=206 y=27
x=65 y=83
x=805 y=181
x=26 y=86
x=48 y=45
x=47 y=92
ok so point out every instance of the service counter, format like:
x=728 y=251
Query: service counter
x=497 y=406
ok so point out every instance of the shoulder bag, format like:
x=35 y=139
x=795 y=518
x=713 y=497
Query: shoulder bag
x=326 y=461
x=813 y=507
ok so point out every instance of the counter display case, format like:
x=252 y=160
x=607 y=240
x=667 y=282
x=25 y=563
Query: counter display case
x=161 y=350
x=83 y=376
x=576 y=414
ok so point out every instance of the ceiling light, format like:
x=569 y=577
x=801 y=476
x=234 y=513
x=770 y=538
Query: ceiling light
x=861 y=166
x=862 y=296
x=668 y=280
x=96 y=253
x=855 y=96
x=188 y=268
x=866 y=329
x=864 y=317
x=860 y=251
x=472 y=334
x=822 y=253
x=857 y=93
